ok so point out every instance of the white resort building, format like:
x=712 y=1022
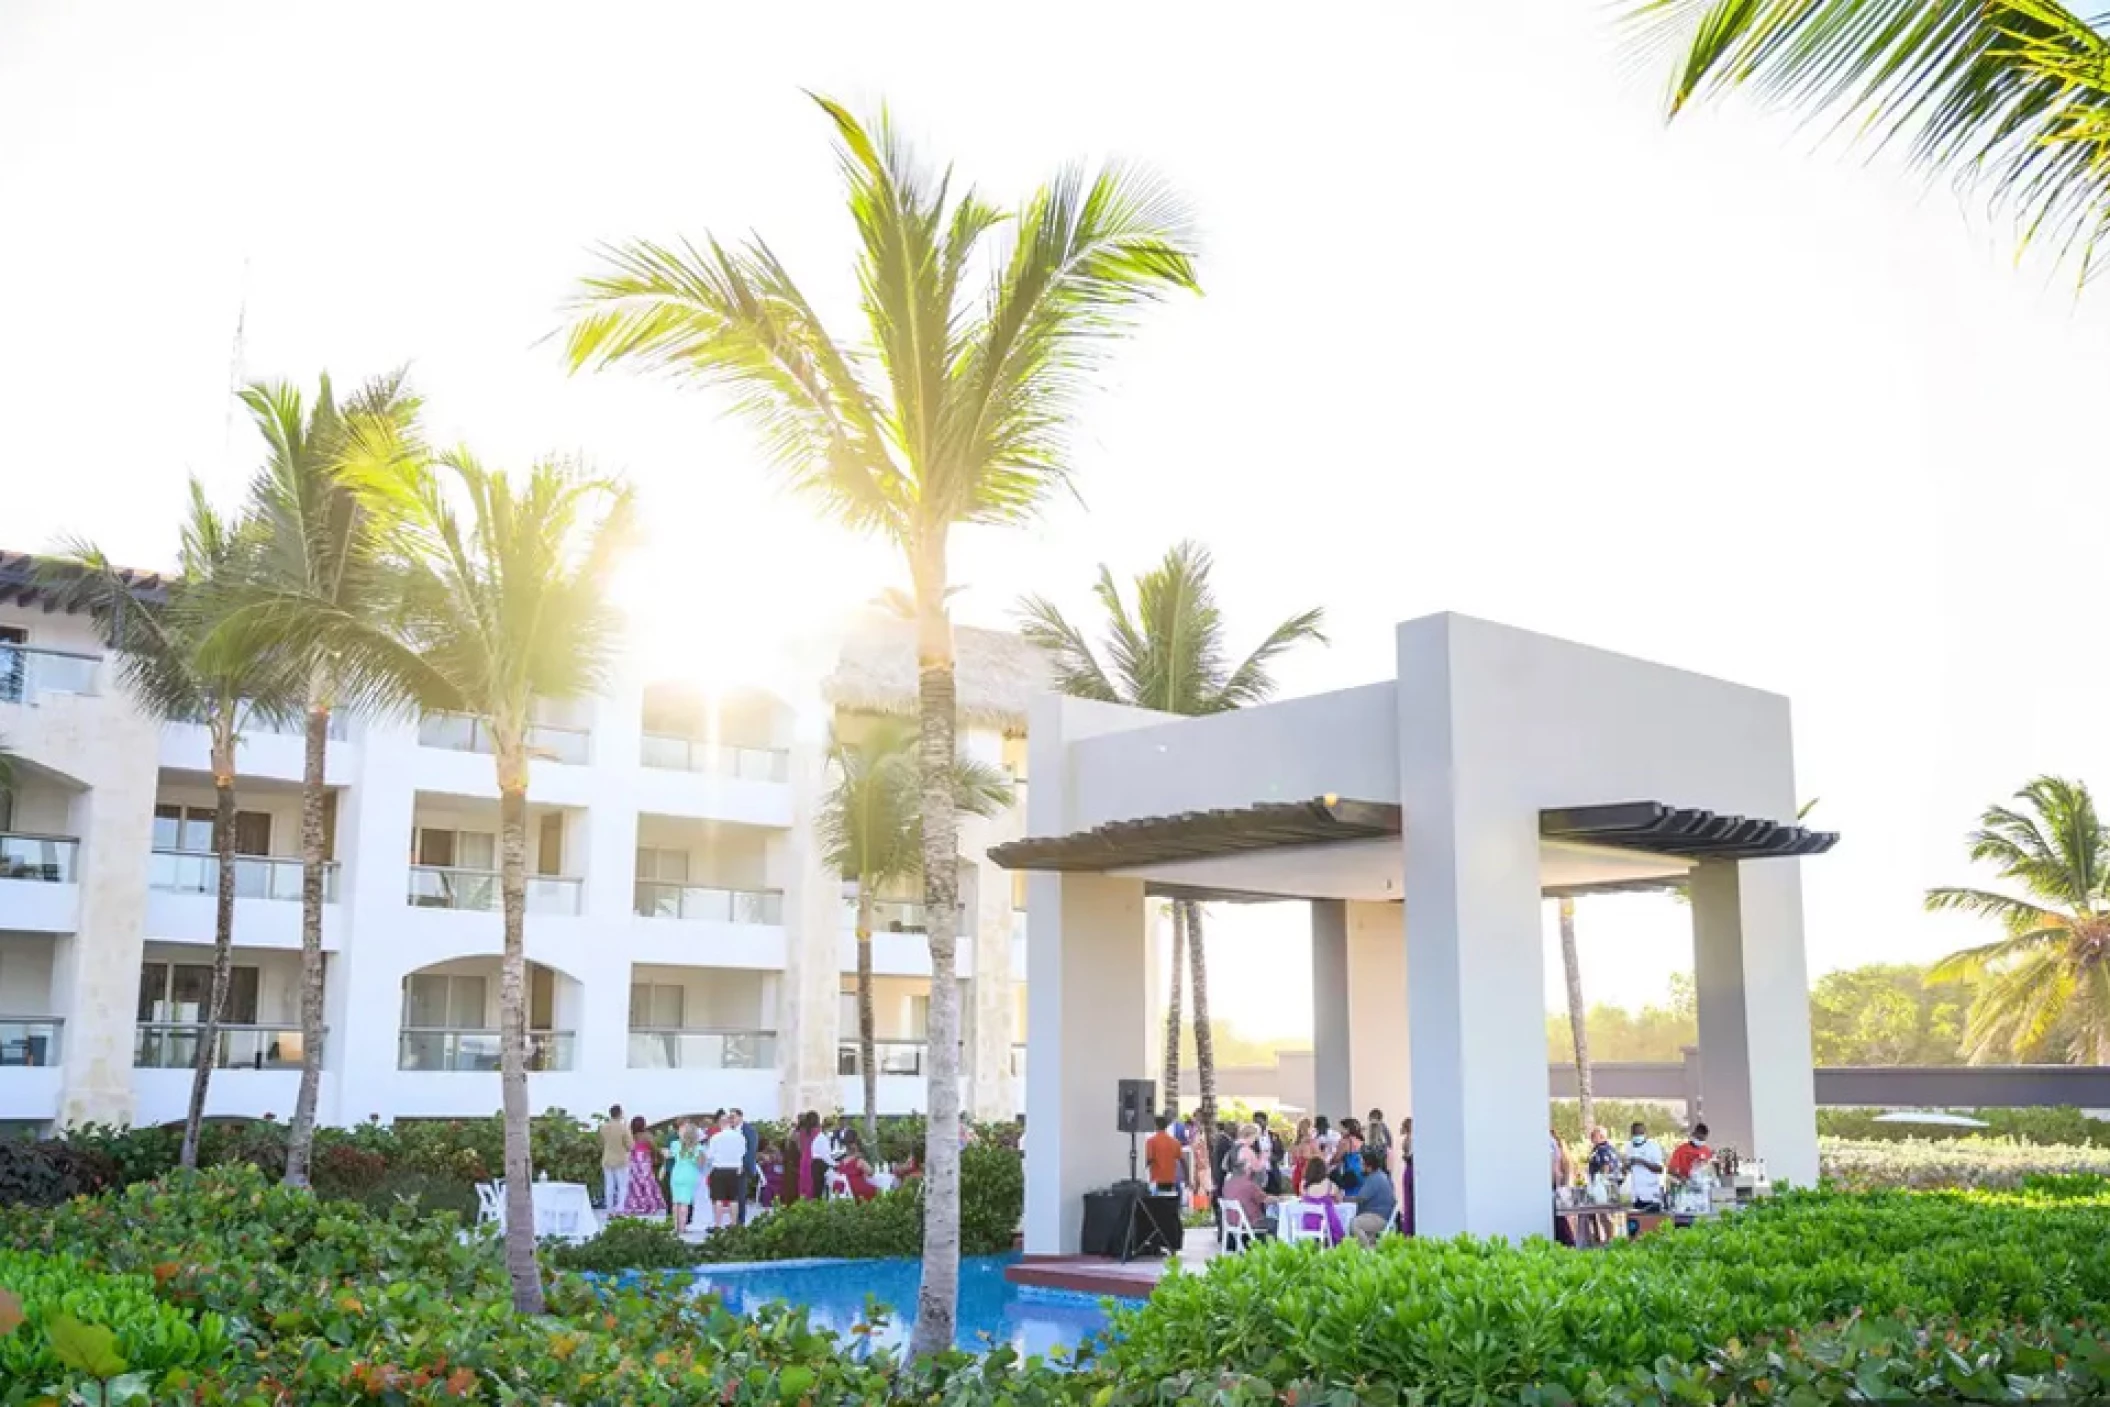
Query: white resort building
x=688 y=948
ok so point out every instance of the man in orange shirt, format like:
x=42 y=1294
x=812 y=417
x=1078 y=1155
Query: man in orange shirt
x=1690 y=1154
x=1163 y=1156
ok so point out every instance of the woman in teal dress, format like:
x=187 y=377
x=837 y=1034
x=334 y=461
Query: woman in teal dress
x=684 y=1174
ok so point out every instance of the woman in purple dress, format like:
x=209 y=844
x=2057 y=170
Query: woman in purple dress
x=643 y=1196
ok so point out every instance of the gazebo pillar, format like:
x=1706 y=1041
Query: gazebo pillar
x=1360 y=1021
x=1752 y=986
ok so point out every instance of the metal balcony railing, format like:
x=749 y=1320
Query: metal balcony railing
x=49 y=859
x=449 y=1048
x=460 y=732
x=173 y=1045
x=28 y=674
x=30 y=1041
x=708 y=903
x=679 y=754
x=255 y=876
x=682 y=1048
x=453 y=887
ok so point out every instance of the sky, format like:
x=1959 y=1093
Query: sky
x=1478 y=333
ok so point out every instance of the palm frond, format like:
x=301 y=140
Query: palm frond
x=870 y=826
x=1252 y=682
x=2009 y=97
x=1076 y=669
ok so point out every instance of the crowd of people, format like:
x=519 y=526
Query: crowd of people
x=722 y=1159
x=1359 y=1176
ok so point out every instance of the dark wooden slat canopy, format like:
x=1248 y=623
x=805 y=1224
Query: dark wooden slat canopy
x=1200 y=835
x=23 y=583
x=1689 y=834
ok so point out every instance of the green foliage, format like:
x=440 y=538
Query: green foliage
x=1615 y=1114
x=46 y=1174
x=78 y=1319
x=2064 y=1126
x=626 y=1243
x=1469 y=1320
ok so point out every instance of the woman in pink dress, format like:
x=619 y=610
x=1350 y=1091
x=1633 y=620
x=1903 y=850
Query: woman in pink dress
x=643 y=1198
x=808 y=1135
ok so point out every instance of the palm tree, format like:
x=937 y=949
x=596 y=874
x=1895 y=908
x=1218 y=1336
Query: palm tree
x=177 y=671
x=318 y=580
x=1169 y=655
x=504 y=599
x=2010 y=97
x=954 y=413
x=2053 y=966
x=871 y=832
x=1571 y=961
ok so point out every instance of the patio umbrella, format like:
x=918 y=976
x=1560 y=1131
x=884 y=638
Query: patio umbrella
x=1928 y=1116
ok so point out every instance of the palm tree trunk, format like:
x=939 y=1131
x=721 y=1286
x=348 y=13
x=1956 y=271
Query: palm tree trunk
x=867 y=1020
x=301 y=1137
x=1172 y=1021
x=1204 y=1037
x=222 y=943
x=512 y=1038
x=1572 y=961
x=937 y=1300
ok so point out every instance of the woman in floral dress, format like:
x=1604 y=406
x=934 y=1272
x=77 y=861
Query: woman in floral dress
x=643 y=1196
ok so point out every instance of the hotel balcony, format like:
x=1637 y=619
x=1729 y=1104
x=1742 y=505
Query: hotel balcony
x=256 y=1051
x=685 y=1019
x=29 y=674
x=715 y=757
x=183 y=871
x=454 y=889
x=708 y=891
x=31 y=1048
x=39 y=882
x=273 y=749
x=454 y=754
x=479 y=891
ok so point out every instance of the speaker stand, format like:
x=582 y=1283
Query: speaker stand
x=1131 y=1155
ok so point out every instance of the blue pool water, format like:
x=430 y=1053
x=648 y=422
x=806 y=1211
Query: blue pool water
x=992 y=1311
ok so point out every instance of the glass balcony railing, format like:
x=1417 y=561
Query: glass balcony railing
x=174 y=1046
x=709 y=903
x=51 y=859
x=459 y=732
x=255 y=876
x=668 y=1048
x=892 y=1057
x=679 y=754
x=28 y=674
x=446 y=887
x=457 y=1048
x=284 y=725
x=29 y=1041
x=892 y=916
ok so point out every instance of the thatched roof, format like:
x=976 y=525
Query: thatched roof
x=998 y=672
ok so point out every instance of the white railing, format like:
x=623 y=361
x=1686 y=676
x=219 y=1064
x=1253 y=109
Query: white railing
x=682 y=1048
x=255 y=876
x=461 y=732
x=49 y=859
x=708 y=903
x=30 y=1041
x=452 y=1048
x=679 y=754
x=27 y=673
x=453 y=887
x=173 y=1045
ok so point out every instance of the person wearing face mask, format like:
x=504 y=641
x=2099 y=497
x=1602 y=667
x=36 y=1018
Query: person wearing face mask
x=1644 y=1169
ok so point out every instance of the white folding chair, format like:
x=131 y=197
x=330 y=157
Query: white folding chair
x=1394 y=1223
x=838 y=1185
x=490 y=1204
x=1239 y=1232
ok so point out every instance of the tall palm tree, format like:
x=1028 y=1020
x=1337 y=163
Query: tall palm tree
x=1571 y=962
x=177 y=671
x=953 y=411
x=318 y=578
x=1168 y=654
x=2010 y=97
x=871 y=832
x=504 y=599
x=2052 y=967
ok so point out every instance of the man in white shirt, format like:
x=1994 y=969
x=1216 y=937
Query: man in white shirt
x=1644 y=1169
x=725 y=1155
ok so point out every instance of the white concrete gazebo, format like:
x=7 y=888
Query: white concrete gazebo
x=1425 y=817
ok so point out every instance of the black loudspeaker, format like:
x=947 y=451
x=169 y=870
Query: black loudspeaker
x=1138 y=1099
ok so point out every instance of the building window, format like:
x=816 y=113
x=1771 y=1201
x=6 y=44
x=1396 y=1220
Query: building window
x=175 y=993
x=549 y=848
x=191 y=828
x=450 y=849
x=656 y=1006
x=659 y=866
x=443 y=1001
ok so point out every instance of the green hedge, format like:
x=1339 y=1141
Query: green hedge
x=1470 y=1320
x=992 y=1199
x=2065 y=1125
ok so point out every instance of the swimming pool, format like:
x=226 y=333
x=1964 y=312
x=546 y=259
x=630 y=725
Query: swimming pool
x=993 y=1311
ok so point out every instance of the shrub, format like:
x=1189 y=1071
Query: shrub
x=2064 y=1126
x=151 y=1336
x=420 y=1193
x=1951 y=1163
x=48 y=1173
x=626 y=1243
